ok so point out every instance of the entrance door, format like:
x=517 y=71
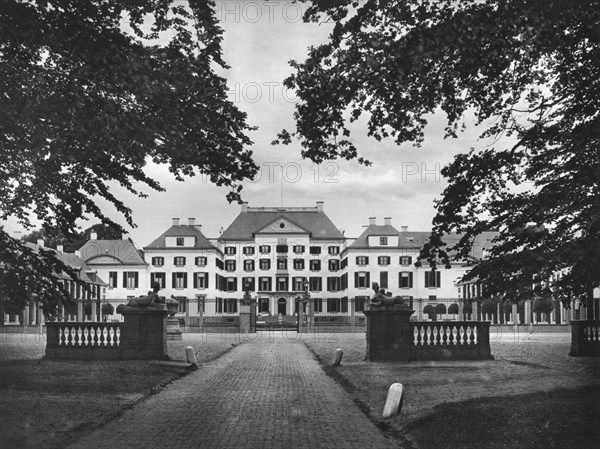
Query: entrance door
x=281 y=306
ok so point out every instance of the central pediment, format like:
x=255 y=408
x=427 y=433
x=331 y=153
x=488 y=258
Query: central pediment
x=282 y=226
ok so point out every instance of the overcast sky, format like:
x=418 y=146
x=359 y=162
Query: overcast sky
x=260 y=38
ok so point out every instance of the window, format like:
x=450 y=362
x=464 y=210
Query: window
x=282 y=249
x=179 y=261
x=230 y=250
x=315 y=284
x=383 y=279
x=298 y=264
x=179 y=280
x=158 y=278
x=361 y=279
x=318 y=304
x=226 y=305
x=248 y=283
x=230 y=265
x=298 y=284
x=231 y=284
x=264 y=284
x=333 y=250
x=333 y=284
x=248 y=265
x=219 y=263
x=333 y=305
x=282 y=283
x=158 y=261
x=265 y=264
x=182 y=305
x=112 y=279
x=359 y=303
x=405 y=279
x=282 y=264
x=383 y=260
x=334 y=265
x=130 y=279
x=179 y=241
x=299 y=249
x=201 y=261
x=263 y=305
x=315 y=250
x=248 y=250
x=405 y=260
x=362 y=260
x=432 y=279
x=200 y=280
x=315 y=265
x=383 y=240
x=264 y=249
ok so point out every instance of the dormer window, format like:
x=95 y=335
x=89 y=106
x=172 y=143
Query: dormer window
x=383 y=241
x=179 y=241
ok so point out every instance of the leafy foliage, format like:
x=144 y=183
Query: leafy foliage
x=527 y=70
x=92 y=92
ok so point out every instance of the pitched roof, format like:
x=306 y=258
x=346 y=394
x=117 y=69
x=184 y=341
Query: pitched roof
x=252 y=220
x=200 y=241
x=416 y=239
x=74 y=261
x=123 y=251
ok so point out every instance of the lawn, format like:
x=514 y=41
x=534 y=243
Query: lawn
x=532 y=395
x=46 y=403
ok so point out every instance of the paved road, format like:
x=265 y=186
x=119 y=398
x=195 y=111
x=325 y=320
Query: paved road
x=264 y=394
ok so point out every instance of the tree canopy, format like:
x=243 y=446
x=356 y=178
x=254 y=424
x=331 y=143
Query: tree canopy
x=92 y=91
x=528 y=71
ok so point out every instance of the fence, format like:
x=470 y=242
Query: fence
x=585 y=338
x=459 y=340
x=83 y=340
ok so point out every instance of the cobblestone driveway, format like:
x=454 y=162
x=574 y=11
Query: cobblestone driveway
x=270 y=393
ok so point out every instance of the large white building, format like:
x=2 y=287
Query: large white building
x=277 y=253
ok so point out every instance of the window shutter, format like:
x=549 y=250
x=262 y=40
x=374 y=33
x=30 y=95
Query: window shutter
x=438 y=278
x=184 y=280
x=355 y=280
x=174 y=280
x=196 y=280
x=125 y=279
x=235 y=285
x=136 y=279
x=410 y=279
x=368 y=279
x=426 y=279
x=205 y=280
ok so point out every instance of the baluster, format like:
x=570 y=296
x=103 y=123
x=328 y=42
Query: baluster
x=69 y=336
x=104 y=335
x=110 y=336
x=437 y=330
x=62 y=337
x=472 y=336
x=86 y=336
x=118 y=335
x=463 y=335
x=95 y=330
x=445 y=334
x=419 y=338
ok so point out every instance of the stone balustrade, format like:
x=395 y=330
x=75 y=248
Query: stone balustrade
x=459 y=340
x=83 y=340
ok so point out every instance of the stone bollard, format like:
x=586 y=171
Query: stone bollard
x=337 y=357
x=191 y=356
x=393 y=403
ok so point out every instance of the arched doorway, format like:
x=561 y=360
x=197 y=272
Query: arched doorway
x=281 y=306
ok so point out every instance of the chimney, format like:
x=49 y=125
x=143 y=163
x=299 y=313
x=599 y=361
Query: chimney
x=40 y=242
x=372 y=221
x=320 y=206
x=387 y=221
x=191 y=221
x=124 y=236
x=93 y=236
x=175 y=221
x=403 y=228
x=60 y=248
x=245 y=206
x=78 y=253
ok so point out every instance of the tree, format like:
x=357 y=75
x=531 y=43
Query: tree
x=526 y=70
x=53 y=238
x=93 y=91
